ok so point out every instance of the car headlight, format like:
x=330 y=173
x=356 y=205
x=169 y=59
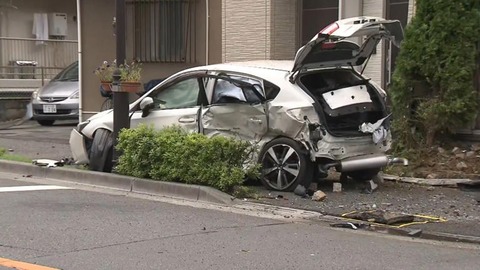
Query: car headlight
x=35 y=94
x=82 y=125
x=75 y=95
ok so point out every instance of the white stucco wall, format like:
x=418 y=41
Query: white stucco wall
x=19 y=22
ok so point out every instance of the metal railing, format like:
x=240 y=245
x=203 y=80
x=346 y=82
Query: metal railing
x=25 y=58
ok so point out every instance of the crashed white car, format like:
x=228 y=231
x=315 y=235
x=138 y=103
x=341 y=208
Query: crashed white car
x=307 y=116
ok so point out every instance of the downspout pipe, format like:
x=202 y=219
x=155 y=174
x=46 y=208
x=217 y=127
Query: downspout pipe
x=207 y=31
x=80 y=69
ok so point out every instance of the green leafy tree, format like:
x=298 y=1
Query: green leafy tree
x=433 y=84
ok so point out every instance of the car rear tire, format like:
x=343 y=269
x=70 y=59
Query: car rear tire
x=101 y=151
x=284 y=165
x=46 y=122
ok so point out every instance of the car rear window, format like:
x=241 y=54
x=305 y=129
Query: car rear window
x=271 y=90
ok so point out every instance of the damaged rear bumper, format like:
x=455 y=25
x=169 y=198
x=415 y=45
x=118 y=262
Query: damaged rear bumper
x=77 y=147
x=365 y=162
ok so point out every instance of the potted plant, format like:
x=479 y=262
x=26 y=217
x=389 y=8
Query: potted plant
x=130 y=76
x=105 y=73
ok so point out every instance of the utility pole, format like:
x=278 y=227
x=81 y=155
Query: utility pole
x=120 y=98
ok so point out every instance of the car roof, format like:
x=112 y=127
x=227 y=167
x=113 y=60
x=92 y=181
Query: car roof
x=273 y=65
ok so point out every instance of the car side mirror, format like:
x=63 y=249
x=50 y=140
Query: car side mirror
x=146 y=105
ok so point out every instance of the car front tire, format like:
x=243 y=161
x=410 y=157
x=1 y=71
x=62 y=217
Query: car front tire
x=101 y=151
x=284 y=165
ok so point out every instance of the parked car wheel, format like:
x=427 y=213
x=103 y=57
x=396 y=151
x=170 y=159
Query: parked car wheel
x=46 y=122
x=284 y=165
x=101 y=152
x=363 y=175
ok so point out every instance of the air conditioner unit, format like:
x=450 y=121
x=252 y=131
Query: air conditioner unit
x=57 y=24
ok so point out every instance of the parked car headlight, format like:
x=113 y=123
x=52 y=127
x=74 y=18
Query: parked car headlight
x=75 y=95
x=35 y=94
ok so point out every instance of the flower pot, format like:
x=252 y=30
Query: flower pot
x=130 y=87
x=106 y=86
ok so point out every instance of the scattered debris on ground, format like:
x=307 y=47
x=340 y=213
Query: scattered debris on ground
x=461 y=160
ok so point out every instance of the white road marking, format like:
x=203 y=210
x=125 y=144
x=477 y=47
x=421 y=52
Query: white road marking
x=31 y=188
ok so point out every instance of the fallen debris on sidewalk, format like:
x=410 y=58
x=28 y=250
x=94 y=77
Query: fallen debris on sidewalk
x=428 y=182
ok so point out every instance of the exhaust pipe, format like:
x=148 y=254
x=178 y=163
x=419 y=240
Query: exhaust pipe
x=368 y=162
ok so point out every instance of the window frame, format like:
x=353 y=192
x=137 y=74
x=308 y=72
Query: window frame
x=201 y=96
x=228 y=77
x=150 y=35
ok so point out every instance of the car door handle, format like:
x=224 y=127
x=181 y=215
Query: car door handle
x=185 y=120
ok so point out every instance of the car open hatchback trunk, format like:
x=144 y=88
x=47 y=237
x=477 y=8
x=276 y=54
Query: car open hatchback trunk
x=344 y=100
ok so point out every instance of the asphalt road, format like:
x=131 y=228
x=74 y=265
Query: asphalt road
x=35 y=141
x=83 y=229
x=460 y=208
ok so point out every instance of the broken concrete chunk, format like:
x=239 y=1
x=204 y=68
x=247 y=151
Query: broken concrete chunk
x=461 y=165
x=460 y=155
x=441 y=150
x=337 y=187
x=380 y=216
x=319 y=196
x=378 y=178
x=470 y=154
x=415 y=233
x=455 y=150
x=371 y=187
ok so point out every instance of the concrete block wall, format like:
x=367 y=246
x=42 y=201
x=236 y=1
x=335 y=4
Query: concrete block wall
x=12 y=109
x=246 y=30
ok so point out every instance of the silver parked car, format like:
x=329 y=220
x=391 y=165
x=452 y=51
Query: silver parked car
x=57 y=100
x=307 y=116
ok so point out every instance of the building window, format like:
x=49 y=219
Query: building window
x=316 y=15
x=161 y=30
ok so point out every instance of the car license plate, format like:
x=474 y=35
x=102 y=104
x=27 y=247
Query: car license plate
x=50 y=108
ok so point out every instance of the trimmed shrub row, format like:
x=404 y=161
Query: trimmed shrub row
x=175 y=155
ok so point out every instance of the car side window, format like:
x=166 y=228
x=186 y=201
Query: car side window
x=182 y=94
x=226 y=91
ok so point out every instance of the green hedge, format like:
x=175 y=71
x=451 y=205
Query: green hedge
x=433 y=84
x=175 y=155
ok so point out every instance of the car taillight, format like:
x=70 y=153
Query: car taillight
x=328 y=45
x=330 y=29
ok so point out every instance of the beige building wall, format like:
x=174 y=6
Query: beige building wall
x=246 y=30
x=98 y=44
x=285 y=23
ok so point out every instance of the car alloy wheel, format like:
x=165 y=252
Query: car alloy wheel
x=283 y=165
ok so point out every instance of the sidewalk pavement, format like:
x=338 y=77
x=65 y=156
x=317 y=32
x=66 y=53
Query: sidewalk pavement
x=458 y=209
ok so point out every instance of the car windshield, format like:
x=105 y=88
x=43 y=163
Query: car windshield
x=70 y=73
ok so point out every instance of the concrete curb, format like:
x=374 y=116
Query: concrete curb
x=120 y=182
